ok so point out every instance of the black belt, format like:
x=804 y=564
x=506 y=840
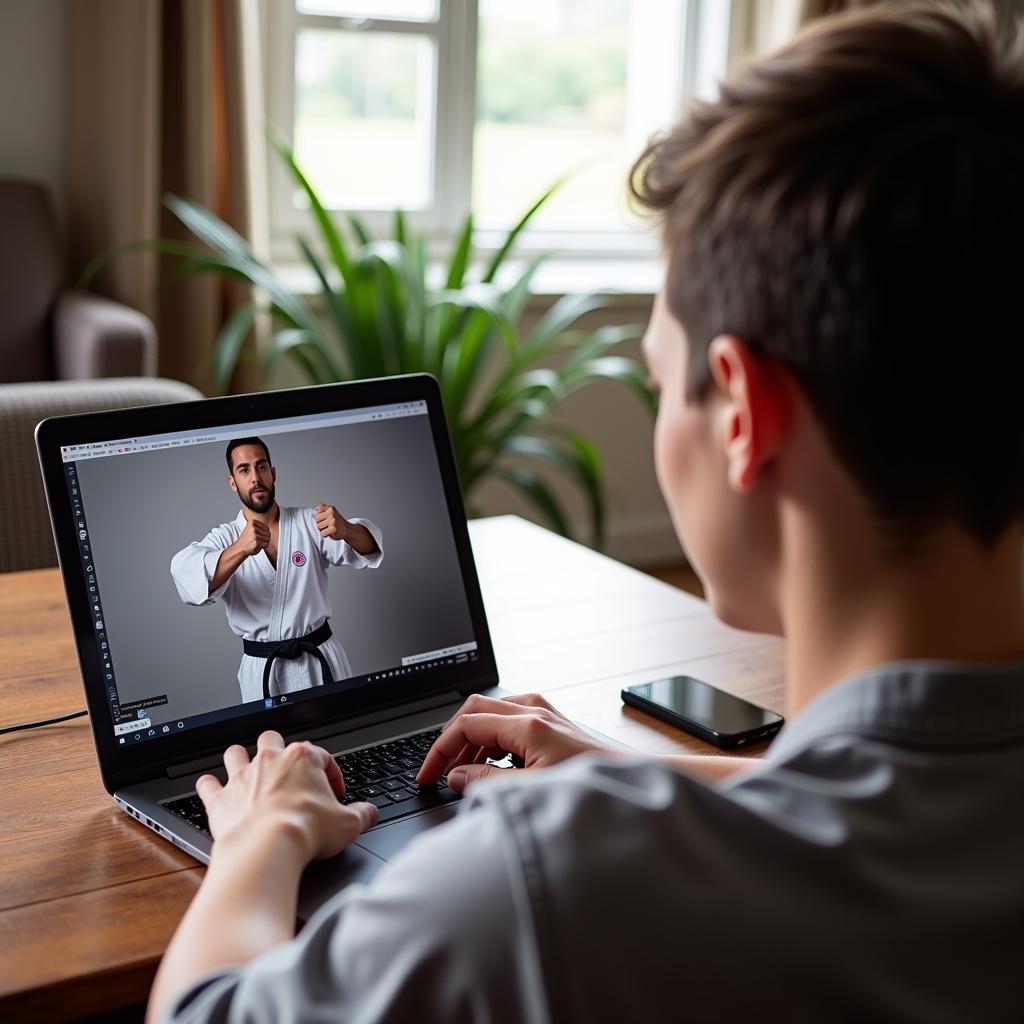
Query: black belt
x=308 y=644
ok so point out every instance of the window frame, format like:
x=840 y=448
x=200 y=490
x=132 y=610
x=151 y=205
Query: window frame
x=703 y=54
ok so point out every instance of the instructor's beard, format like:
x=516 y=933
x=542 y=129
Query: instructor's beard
x=261 y=505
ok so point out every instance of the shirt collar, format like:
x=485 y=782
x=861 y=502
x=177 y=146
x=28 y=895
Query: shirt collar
x=916 y=703
x=282 y=513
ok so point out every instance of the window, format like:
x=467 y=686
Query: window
x=440 y=106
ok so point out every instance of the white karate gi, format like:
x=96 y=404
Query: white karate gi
x=269 y=605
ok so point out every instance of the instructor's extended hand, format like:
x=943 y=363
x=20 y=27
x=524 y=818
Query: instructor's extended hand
x=526 y=725
x=330 y=522
x=292 y=790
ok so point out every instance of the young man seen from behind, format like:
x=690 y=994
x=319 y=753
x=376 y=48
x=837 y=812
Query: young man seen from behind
x=839 y=352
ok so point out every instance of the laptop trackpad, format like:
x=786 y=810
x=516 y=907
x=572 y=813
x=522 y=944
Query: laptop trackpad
x=386 y=842
x=362 y=860
x=323 y=878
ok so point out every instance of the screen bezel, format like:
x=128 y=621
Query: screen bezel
x=126 y=765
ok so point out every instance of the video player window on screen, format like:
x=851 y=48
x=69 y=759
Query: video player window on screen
x=323 y=556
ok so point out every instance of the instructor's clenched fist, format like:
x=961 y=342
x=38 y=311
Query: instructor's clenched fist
x=255 y=537
x=330 y=522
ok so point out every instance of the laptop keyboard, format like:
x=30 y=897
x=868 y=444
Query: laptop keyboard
x=383 y=775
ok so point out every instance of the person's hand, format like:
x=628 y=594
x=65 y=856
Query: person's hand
x=330 y=522
x=254 y=538
x=293 y=790
x=526 y=726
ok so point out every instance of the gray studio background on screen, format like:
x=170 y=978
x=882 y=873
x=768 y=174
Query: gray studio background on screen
x=143 y=507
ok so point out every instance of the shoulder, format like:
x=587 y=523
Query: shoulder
x=230 y=531
x=298 y=516
x=221 y=535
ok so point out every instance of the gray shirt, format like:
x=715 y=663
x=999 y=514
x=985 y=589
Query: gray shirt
x=871 y=868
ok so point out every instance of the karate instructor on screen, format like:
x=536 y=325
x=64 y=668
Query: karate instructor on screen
x=269 y=567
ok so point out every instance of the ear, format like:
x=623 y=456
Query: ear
x=757 y=407
x=231 y=483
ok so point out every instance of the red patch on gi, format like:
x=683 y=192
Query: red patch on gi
x=298 y=559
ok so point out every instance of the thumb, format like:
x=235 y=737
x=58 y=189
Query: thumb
x=366 y=813
x=207 y=786
x=459 y=778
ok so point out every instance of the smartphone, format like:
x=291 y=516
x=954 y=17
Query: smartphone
x=704 y=711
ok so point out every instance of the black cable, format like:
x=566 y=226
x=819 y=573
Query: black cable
x=42 y=721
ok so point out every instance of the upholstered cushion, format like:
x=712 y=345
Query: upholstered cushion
x=26 y=540
x=96 y=337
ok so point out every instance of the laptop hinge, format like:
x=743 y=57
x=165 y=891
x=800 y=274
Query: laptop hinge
x=435 y=700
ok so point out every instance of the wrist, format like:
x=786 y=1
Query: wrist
x=270 y=839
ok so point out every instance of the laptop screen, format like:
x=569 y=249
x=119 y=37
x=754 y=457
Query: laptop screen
x=350 y=580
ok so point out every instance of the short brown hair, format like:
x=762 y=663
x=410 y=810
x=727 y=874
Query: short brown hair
x=852 y=206
x=238 y=442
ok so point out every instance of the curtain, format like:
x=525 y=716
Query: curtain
x=165 y=96
x=758 y=26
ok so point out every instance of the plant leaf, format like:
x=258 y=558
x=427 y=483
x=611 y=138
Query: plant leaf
x=208 y=227
x=460 y=256
x=388 y=266
x=582 y=460
x=485 y=298
x=235 y=256
x=335 y=306
x=518 y=293
x=332 y=237
x=506 y=246
x=400 y=229
x=460 y=363
x=291 y=341
x=564 y=313
x=537 y=493
x=228 y=345
x=626 y=371
x=359 y=229
x=208 y=263
x=169 y=246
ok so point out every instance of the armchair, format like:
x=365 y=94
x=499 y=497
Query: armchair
x=26 y=541
x=48 y=331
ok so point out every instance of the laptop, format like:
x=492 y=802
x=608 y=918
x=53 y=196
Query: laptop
x=365 y=652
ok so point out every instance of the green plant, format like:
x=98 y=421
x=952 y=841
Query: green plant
x=380 y=317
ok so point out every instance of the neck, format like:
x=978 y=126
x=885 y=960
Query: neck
x=955 y=601
x=269 y=517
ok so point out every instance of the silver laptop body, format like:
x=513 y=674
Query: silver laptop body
x=167 y=679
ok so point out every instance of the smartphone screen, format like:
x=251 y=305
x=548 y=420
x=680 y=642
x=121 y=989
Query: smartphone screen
x=689 y=703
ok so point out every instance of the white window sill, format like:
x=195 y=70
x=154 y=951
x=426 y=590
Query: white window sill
x=635 y=280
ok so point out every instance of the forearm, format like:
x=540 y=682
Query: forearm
x=230 y=559
x=359 y=537
x=711 y=767
x=245 y=906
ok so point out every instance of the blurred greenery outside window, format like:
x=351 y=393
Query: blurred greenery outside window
x=443 y=106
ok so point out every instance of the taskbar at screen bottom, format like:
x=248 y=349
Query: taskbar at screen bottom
x=144 y=729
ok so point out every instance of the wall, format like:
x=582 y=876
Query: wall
x=32 y=87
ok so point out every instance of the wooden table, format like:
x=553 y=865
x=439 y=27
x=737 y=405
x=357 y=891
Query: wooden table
x=89 y=898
